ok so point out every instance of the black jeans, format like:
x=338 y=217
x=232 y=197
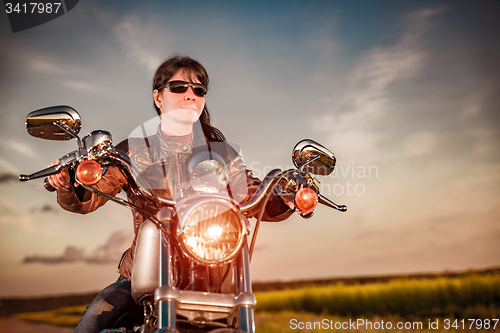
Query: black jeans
x=113 y=305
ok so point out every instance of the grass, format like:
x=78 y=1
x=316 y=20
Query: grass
x=401 y=300
x=69 y=316
x=470 y=296
x=283 y=322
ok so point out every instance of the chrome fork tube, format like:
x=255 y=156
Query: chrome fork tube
x=244 y=284
x=247 y=322
x=166 y=270
x=166 y=308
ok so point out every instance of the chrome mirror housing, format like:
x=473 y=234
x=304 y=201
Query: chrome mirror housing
x=308 y=155
x=54 y=123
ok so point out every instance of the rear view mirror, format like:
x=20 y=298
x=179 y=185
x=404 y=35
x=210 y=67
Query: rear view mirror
x=308 y=155
x=54 y=123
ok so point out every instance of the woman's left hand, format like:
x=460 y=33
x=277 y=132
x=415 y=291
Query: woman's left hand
x=297 y=210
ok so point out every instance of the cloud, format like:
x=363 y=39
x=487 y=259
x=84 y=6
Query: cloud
x=8 y=166
x=82 y=86
x=15 y=211
x=23 y=222
x=19 y=147
x=45 y=66
x=419 y=143
x=485 y=140
x=321 y=41
x=427 y=12
x=138 y=40
x=463 y=207
x=8 y=177
x=475 y=190
x=25 y=56
x=71 y=254
x=46 y=208
x=366 y=95
x=12 y=214
x=110 y=252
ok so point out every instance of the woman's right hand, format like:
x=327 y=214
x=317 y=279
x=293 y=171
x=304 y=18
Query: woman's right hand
x=61 y=179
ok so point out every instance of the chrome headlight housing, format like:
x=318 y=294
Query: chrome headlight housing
x=212 y=231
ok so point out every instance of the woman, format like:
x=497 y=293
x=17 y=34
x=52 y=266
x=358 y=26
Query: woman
x=179 y=91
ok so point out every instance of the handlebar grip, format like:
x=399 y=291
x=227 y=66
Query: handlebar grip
x=308 y=215
x=48 y=186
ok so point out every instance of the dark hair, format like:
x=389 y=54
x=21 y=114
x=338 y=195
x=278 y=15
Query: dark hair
x=191 y=68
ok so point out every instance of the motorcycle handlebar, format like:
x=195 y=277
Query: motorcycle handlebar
x=270 y=180
x=267 y=183
x=52 y=170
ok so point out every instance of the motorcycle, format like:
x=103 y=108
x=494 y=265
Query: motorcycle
x=191 y=269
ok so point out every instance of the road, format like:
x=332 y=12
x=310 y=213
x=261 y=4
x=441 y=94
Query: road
x=10 y=325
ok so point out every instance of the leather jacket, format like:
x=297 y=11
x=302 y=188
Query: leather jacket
x=162 y=163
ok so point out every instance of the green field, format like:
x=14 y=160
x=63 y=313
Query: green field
x=465 y=303
x=473 y=296
x=69 y=316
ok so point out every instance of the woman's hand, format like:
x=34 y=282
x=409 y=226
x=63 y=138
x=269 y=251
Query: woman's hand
x=297 y=210
x=62 y=179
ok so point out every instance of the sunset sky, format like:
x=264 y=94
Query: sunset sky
x=405 y=93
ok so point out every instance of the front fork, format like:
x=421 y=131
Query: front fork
x=166 y=308
x=244 y=284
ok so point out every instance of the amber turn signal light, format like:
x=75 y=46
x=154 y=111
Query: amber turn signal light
x=306 y=199
x=89 y=172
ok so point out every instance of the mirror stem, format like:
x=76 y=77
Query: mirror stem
x=69 y=133
x=301 y=169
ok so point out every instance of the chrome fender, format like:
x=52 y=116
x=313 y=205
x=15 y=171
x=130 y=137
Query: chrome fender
x=145 y=270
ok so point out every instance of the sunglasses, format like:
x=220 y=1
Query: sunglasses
x=179 y=87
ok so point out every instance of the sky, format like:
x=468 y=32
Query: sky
x=405 y=93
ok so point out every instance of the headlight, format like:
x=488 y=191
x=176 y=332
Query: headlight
x=211 y=231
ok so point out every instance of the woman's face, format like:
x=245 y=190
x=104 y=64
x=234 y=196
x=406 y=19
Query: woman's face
x=183 y=107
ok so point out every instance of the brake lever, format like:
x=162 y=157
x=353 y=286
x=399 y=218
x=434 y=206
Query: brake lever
x=327 y=202
x=52 y=170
